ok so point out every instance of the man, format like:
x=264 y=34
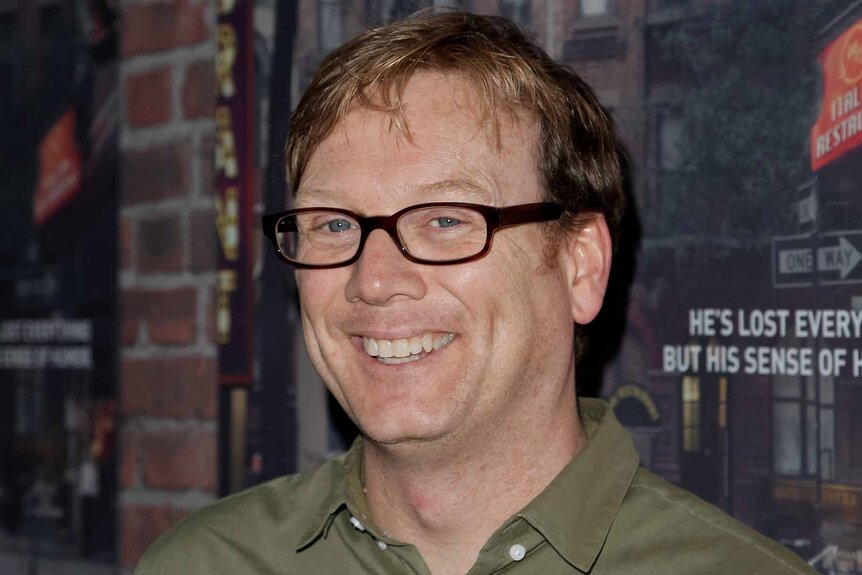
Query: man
x=456 y=196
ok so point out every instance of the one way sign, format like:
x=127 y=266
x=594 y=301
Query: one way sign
x=839 y=257
x=830 y=258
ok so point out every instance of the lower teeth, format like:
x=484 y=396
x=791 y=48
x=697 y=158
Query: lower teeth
x=398 y=360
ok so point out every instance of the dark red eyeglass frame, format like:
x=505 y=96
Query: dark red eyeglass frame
x=495 y=218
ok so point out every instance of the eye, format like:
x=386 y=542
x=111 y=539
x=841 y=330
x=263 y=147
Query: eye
x=445 y=222
x=339 y=225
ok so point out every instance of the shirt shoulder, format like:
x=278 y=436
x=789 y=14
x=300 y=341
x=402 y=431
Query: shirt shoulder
x=677 y=532
x=257 y=530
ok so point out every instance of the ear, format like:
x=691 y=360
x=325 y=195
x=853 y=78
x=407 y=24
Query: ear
x=587 y=257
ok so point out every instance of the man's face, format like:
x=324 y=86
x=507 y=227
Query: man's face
x=502 y=324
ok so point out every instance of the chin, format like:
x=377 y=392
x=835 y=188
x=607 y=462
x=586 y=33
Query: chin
x=401 y=430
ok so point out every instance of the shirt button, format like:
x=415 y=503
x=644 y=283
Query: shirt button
x=517 y=552
x=382 y=545
x=356 y=523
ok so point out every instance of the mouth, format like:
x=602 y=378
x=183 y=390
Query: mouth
x=398 y=351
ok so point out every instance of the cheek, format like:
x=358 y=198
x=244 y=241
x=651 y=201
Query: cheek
x=503 y=299
x=317 y=294
x=319 y=289
x=312 y=343
x=533 y=304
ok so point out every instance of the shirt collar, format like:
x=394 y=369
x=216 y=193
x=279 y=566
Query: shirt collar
x=575 y=512
x=344 y=491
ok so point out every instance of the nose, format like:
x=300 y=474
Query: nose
x=382 y=275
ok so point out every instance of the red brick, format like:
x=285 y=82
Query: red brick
x=179 y=459
x=130 y=332
x=161 y=172
x=162 y=25
x=207 y=166
x=140 y=526
x=129 y=457
x=161 y=244
x=202 y=251
x=178 y=331
x=198 y=94
x=170 y=314
x=148 y=98
x=175 y=387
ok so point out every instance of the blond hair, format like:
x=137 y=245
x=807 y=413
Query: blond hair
x=578 y=152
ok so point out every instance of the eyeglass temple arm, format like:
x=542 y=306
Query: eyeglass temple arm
x=527 y=213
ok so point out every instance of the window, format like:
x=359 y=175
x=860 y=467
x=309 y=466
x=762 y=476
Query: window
x=395 y=9
x=595 y=7
x=331 y=32
x=660 y=4
x=669 y=141
x=787 y=438
x=448 y=5
x=517 y=10
x=30 y=409
x=795 y=444
x=847 y=448
x=690 y=414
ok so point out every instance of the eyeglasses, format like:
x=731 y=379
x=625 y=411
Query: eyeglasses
x=433 y=234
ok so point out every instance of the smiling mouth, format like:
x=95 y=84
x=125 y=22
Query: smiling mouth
x=397 y=351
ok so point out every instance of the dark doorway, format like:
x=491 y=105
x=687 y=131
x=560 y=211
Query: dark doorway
x=704 y=457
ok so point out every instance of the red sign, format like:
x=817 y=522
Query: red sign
x=839 y=127
x=59 y=169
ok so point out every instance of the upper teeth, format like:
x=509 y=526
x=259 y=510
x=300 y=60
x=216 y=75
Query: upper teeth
x=405 y=347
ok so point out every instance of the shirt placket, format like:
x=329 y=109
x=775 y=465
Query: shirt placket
x=508 y=548
x=376 y=552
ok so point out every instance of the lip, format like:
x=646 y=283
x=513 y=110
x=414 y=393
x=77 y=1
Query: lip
x=400 y=333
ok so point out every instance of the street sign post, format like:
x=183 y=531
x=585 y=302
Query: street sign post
x=807 y=194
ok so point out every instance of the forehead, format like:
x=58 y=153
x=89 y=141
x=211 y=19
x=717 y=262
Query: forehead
x=451 y=145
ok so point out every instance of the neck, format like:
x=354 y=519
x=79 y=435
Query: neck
x=448 y=498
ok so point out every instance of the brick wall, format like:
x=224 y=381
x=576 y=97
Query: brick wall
x=168 y=389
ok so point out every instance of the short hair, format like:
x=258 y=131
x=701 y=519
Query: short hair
x=578 y=151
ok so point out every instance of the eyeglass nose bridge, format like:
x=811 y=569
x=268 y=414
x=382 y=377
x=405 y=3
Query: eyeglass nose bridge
x=388 y=224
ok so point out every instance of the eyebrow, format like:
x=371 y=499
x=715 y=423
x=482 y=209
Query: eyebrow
x=316 y=196
x=448 y=190
x=460 y=188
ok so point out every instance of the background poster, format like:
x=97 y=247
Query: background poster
x=731 y=342
x=58 y=286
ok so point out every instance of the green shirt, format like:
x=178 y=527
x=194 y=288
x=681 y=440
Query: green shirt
x=602 y=515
